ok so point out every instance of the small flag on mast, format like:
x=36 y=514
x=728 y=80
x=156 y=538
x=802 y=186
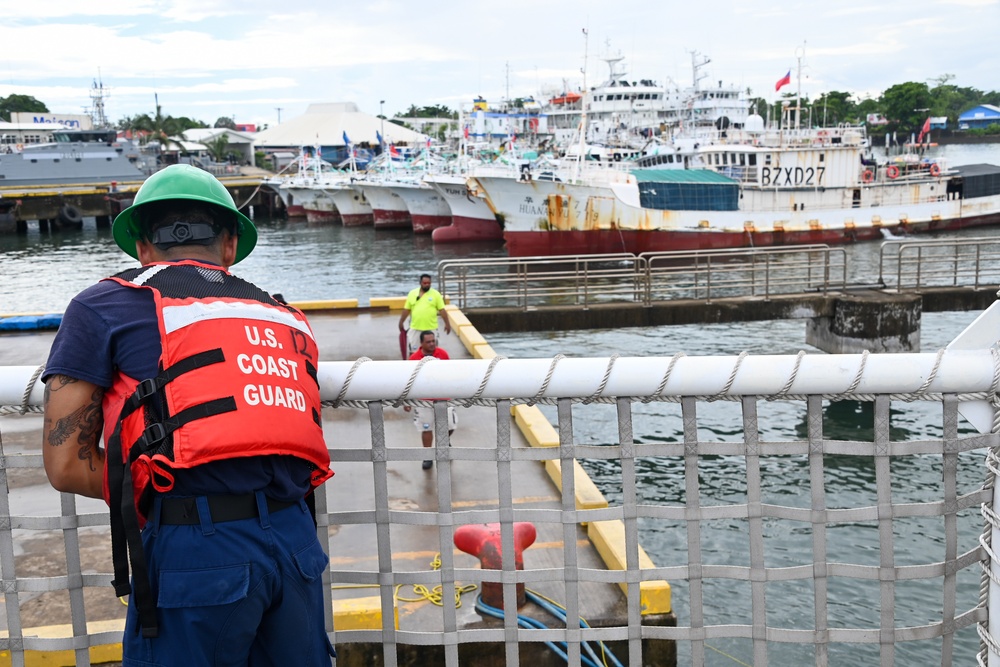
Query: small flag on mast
x=783 y=81
x=346 y=140
x=924 y=130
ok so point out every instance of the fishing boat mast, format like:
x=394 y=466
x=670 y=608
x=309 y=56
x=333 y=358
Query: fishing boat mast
x=582 y=129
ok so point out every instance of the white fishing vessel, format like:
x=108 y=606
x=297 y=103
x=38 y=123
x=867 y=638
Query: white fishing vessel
x=471 y=217
x=623 y=113
x=759 y=187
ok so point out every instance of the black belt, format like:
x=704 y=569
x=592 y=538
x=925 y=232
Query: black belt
x=184 y=511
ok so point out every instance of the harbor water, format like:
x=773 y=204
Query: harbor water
x=41 y=273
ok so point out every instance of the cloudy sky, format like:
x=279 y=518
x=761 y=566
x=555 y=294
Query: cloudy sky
x=249 y=58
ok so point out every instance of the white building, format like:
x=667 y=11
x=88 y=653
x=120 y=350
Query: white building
x=330 y=126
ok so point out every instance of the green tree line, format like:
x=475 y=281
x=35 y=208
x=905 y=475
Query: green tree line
x=906 y=106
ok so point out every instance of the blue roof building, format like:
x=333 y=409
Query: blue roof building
x=979 y=117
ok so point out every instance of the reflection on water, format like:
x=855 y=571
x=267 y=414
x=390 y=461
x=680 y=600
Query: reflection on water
x=42 y=272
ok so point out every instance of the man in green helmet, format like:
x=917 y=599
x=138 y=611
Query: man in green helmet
x=204 y=389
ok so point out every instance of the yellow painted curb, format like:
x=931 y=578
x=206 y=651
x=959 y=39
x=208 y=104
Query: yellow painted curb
x=456 y=317
x=483 y=351
x=535 y=427
x=98 y=654
x=325 y=305
x=608 y=538
x=587 y=495
x=469 y=336
x=361 y=614
x=349 y=614
x=390 y=302
x=540 y=433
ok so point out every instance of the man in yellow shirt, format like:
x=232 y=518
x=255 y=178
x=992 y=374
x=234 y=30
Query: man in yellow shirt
x=423 y=304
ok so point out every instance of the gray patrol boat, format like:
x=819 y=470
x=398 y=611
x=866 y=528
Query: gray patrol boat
x=85 y=157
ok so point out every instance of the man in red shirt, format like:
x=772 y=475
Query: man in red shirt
x=423 y=418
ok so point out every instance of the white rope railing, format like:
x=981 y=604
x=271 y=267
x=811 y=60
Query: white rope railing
x=955 y=377
x=969 y=373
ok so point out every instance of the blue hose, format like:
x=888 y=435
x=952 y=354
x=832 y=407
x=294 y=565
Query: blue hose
x=590 y=659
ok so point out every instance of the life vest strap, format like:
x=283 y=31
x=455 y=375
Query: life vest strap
x=156 y=434
x=151 y=386
x=142 y=596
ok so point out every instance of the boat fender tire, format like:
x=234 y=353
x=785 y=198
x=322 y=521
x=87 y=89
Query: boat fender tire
x=70 y=215
x=935 y=170
x=892 y=171
x=867 y=176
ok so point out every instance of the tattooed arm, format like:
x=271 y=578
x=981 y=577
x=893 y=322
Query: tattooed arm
x=74 y=461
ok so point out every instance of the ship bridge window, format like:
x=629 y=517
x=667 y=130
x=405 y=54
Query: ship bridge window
x=767 y=160
x=753 y=159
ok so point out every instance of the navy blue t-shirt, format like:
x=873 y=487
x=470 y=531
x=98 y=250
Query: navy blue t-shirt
x=109 y=327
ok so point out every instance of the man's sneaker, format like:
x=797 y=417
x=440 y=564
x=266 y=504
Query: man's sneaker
x=428 y=464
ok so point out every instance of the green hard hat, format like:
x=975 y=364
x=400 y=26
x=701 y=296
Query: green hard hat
x=182 y=181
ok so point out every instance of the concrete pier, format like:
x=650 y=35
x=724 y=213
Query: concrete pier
x=874 y=321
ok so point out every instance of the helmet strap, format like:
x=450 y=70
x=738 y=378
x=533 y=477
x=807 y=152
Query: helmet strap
x=183 y=233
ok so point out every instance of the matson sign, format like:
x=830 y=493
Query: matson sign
x=74 y=121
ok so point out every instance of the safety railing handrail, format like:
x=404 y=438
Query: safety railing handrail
x=584 y=280
x=914 y=264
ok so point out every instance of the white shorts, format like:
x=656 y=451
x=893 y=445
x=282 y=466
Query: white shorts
x=423 y=419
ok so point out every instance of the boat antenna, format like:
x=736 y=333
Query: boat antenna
x=697 y=76
x=97 y=94
x=583 y=109
x=800 y=52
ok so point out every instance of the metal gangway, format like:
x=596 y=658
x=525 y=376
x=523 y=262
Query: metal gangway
x=703 y=275
x=850 y=603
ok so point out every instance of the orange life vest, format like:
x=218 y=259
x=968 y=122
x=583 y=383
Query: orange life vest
x=237 y=378
x=251 y=389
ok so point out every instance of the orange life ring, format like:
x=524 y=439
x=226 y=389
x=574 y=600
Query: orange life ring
x=935 y=169
x=892 y=171
x=867 y=176
x=20 y=147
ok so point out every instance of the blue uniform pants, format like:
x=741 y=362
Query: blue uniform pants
x=246 y=592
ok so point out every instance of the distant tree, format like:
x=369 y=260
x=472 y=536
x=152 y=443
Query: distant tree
x=833 y=108
x=18 y=103
x=218 y=147
x=436 y=111
x=158 y=127
x=867 y=106
x=127 y=124
x=262 y=161
x=225 y=121
x=185 y=123
x=906 y=106
x=760 y=106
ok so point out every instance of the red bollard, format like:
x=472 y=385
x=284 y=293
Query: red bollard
x=483 y=542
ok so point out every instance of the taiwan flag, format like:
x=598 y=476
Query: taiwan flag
x=783 y=81
x=924 y=130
